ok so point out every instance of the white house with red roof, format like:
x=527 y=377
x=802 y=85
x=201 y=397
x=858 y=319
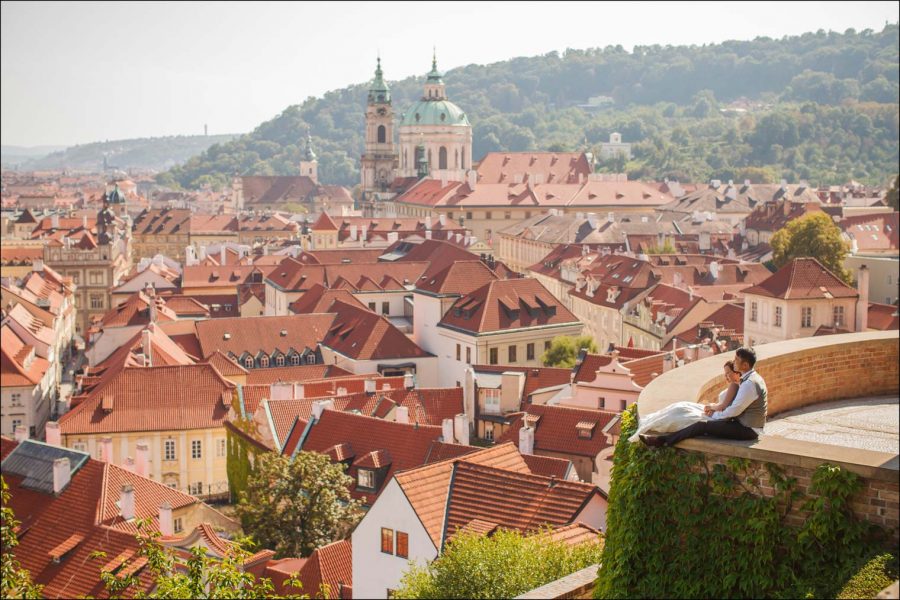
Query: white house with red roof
x=798 y=299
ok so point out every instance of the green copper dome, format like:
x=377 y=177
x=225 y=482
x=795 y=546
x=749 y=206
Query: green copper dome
x=434 y=112
x=379 y=90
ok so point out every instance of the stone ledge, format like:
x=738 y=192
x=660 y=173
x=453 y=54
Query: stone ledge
x=579 y=584
x=880 y=466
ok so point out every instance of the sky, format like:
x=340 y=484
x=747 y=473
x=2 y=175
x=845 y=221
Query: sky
x=80 y=72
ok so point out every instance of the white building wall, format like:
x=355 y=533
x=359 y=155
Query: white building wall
x=375 y=572
x=594 y=514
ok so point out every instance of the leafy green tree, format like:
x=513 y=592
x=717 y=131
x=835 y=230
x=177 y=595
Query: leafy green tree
x=893 y=194
x=294 y=505
x=503 y=565
x=564 y=349
x=16 y=581
x=813 y=235
x=666 y=248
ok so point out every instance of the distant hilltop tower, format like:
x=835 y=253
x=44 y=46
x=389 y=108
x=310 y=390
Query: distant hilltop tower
x=309 y=166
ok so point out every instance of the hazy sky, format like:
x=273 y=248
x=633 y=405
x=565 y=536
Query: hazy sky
x=83 y=71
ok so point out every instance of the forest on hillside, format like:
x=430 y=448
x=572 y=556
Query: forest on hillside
x=821 y=107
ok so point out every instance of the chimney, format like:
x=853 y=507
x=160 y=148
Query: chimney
x=461 y=429
x=62 y=473
x=526 y=440
x=51 y=433
x=166 y=526
x=409 y=381
x=443 y=178
x=299 y=391
x=369 y=386
x=862 y=304
x=154 y=311
x=610 y=217
x=146 y=346
x=401 y=414
x=54 y=221
x=714 y=269
x=442 y=219
x=428 y=222
x=472 y=178
x=447 y=431
x=142 y=459
x=37 y=265
x=21 y=433
x=320 y=406
x=353 y=233
x=668 y=362
x=202 y=252
x=128 y=465
x=281 y=391
x=106 y=449
x=126 y=502
x=222 y=255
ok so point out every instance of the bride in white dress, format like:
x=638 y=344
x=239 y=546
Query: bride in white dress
x=682 y=414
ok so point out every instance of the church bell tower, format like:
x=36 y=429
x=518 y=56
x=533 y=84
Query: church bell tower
x=379 y=162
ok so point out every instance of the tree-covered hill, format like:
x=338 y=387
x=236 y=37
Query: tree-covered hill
x=822 y=107
x=156 y=153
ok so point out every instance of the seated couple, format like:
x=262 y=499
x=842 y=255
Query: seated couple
x=740 y=413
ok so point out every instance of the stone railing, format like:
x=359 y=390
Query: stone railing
x=801 y=373
x=579 y=584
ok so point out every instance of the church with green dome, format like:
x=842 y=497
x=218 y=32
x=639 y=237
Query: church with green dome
x=435 y=137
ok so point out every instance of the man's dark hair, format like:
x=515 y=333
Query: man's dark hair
x=747 y=354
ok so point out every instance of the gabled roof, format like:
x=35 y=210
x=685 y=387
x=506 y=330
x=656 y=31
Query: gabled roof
x=330 y=565
x=15 y=370
x=324 y=223
x=553 y=167
x=236 y=335
x=506 y=304
x=153 y=399
x=535 y=377
x=803 y=278
x=556 y=429
x=883 y=317
x=318 y=299
x=457 y=278
x=362 y=335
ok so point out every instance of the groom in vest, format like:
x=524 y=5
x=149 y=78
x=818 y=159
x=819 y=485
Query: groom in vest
x=744 y=419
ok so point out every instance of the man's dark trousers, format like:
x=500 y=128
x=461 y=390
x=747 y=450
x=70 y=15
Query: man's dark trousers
x=731 y=429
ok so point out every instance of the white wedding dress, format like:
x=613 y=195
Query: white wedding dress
x=671 y=418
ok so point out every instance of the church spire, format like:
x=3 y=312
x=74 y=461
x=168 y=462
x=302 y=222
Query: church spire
x=434 y=76
x=379 y=92
x=308 y=153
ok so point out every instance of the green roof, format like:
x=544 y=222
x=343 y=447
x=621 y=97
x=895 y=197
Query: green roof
x=434 y=112
x=378 y=89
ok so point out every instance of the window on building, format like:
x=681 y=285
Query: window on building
x=196 y=488
x=507 y=215
x=838 y=316
x=601 y=402
x=546 y=345
x=279 y=360
x=806 y=316
x=372 y=306
x=777 y=316
x=310 y=359
x=169 y=450
x=468 y=355
x=493 y=356
x=385 y=308
x=95 y=277
x=365 y=479
x=623 y=404
x=402 y=544
x=295 y=359
x=492 y=402
x=754 y=309
x=177 y=525
x=248 y=362
x=196 y=449
x=264 y=362
x=16 y=399
x=220 y=448
x=488 y=215
x=387 y=540
x=442 y=158
x=79 y=446
x=529 y=352
x=96 y=301
x=458 y=352
x=512 y=354
x=489 y=433
x=382 y=134
x=527 y=214
x=469 y=215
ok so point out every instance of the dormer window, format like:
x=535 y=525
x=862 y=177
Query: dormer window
x=365 y=478
x=585 y=429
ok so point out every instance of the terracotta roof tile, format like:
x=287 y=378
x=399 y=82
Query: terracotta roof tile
x=458 y=278
x=883 y=317
x=361 y=334
x=556 y=430
x=235 y=335
x=803 y=278
x=548 y=466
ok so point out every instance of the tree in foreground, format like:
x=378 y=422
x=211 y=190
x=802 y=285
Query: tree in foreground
x=503 y=565
x=295 y=505
x=813 y=235
x=16 y=581
x=563 y=350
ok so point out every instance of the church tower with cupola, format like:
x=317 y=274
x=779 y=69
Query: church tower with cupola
x=309 y=166
x=379 y=162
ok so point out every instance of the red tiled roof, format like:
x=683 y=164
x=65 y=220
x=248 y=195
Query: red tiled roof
x=153 y=399
x=554 y=167
x=236 y=335
x=13 y=370
x=460 y=277
x=520 y=501
x=324 y=223
x=330 y=565
x=427 y=487
x=803 y=278
x=225 y=365
x=362 y=335
x=883 y=317
x=297 y=373
x=406 y=444
x=318 y=299
x=556 y=430
x=507 y=304
x=877 y=232
x=535 y=377
x=575 y=534
x=548 y=466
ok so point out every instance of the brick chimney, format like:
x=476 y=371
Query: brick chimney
x=862 y=304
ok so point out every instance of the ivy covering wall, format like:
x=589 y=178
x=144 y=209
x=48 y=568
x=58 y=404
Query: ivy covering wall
x=682 y=527
x=241 y=457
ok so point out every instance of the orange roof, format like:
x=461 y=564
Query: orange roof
x=883 y=317
x=330 y=565
x=318 y=299
x=552 y=167
x=575 y=534
x=361 y=334
x=459 y=277
x=324 y=223
x=556 y=430
x=16 y=370
x=507 y=304
x=803 y=278
x=236 y=335
x=153 y=399
x=299 y=373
